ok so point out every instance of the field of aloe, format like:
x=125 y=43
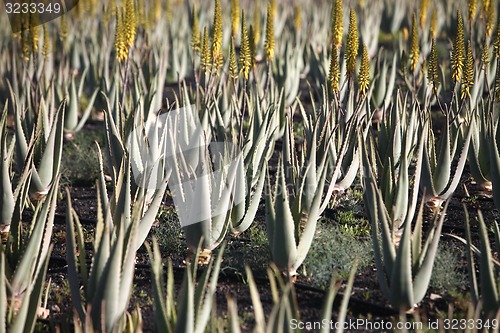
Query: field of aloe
x=251 y=166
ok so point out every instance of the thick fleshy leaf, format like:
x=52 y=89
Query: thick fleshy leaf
x=460 y=168
x=37 y=247
x=74 y=282
x=487 y=277
x=206 y=289
x=495 y=163
x=161 y=314
x=186 y=319
x=260 y=320
x=283 y=244
x=471 y=267
x=7 y=201
x=48 y=167
x=401 y=274
x=3 y=294
x=423 y=276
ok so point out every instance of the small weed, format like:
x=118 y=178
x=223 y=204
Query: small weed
x=351 y=224
x=334 y=249
x=470 y=200
x=79 y=164
x=169 y=232
x=446 y=275
x=252 y=250
x=351 y=200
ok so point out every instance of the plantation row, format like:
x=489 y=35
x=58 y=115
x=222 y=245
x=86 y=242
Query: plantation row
x=240 y=130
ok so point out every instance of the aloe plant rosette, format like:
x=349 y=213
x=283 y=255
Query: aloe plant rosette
x=404 y=264
x=291 y=220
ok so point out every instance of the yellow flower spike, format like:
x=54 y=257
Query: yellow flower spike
x=351 y=52
x=64 y=28
x=424 y=5
x=364 y=72
x=245 y=52
x=217 y=56
x=233 y=64
x=468 y=75
x=155 y=12
x=457 y=55
x=112 y=7
x=253 y=51
x=297 y=17
x=434 y=24
x=423 y=68
x=141 y=16
x=497 y=84
x=485 y=55
x=489 y=15
x=472 y=7
x=205 y=57
x=35 y=37
x=25 y=47
x=433 y=67
x=337 y=22
x=414 y=49
x=269 y=44
x=404 y=34
x=256 y=21
x=130 y=23
x=106 y=15
x=195 y=34
x=168 y=10
x=496 y=43
x=120 y=43
x=35 y=30
x=235 y=17
x=334 y=73
x=46 y=42
x=274 y=7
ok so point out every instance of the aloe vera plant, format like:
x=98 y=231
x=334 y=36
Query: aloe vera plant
x=73 y=122
x=495 y=161
x=23 y=267
x=479 y=151
x=336 y=128
x=404 y=264
x=124 y=206
x=191 y=311
x=284 y=316
x=438 y=180
x=384 y=85
x=7 y=201
x=203 y=176
x=288 y=73
x=484 y=288
x=250 y=180
x=285 y=310
x=393 y=153
x=12 y=201
x=46 y=141
x=291 y=218
x=107 y=282
x=203 y=199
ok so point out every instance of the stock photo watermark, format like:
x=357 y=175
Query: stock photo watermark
x=389 y=326
x=174 y=145
x=25 y=14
